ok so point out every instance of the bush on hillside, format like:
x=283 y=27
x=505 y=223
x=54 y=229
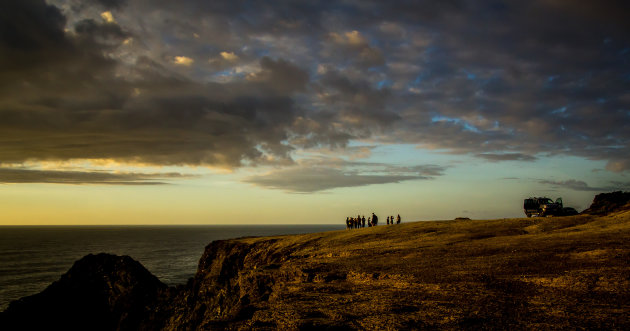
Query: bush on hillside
x=605 y=203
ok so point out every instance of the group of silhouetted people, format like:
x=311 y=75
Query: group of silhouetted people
x=359 y=221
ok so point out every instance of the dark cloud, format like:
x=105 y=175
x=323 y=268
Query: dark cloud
x=73 y=102
x=281 y=76
x=523 y=78
x=496 y=80
x=110 y=4
x=100 y=33
x=356 y=104
x=82 y=5
x=30 y=26
x=16 y=175
x=351 y=47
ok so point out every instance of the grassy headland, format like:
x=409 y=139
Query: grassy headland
x=560 y=272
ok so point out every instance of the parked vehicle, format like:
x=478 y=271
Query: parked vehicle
x=543 y=206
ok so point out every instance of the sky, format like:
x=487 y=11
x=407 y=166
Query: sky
x=260 y=112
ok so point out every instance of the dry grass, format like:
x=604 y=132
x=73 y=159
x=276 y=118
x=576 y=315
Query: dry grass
x=564 y=272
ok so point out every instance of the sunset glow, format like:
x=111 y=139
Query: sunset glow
x=241 y=112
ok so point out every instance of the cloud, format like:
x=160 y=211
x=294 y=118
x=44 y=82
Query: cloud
x=229 y=56
x=110 y=4
x=280 y=76
x=576 y=185
x=231 y=65
x=15 y=176
x=183 y=61
x=619 y=186
x=506 y=157
x=310 y=180
x=357 y=105
x=350 y=38
x=618 y=165
x=393 y=29
x=353 y=46
x=72 y=102
x=312 y=176
x=107 y=35
x=108 y=17
x=499 y=81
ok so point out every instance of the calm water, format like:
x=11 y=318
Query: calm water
x=33 y=257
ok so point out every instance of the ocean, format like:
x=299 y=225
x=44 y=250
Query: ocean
x=32 y=257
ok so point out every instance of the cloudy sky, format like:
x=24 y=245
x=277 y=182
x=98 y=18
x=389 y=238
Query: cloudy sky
x=194 y=111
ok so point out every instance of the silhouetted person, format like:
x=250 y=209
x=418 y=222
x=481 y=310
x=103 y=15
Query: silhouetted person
x=374 y=219
x=387 y=220
x=369 y=222
x=348 y=223
x=398 y=219
x=363 y=221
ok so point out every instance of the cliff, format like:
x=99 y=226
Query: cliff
x=541 y=273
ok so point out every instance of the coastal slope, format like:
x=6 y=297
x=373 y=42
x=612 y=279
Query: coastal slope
x=542 y=273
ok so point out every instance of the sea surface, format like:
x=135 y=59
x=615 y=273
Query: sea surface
x=32 y=257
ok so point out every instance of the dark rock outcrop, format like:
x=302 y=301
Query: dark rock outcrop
x=606 y=203
x=99 y=292
x=108 y=292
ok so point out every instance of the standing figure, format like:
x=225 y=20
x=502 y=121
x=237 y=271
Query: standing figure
x=374 y=220
x=363 y=221
x=387 y=220
x=398 y=219
x=369 y=222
